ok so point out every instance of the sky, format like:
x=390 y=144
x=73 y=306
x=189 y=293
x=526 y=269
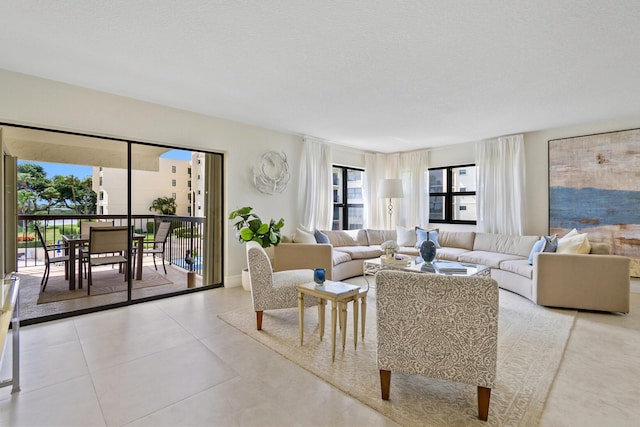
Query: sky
x=53 y=169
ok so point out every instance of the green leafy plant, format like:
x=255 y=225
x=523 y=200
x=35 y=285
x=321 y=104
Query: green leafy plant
x=250 y=227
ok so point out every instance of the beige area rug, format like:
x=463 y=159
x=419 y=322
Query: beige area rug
x=104 y=282
x=531 y=343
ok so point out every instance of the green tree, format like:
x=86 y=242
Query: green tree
x=50 y=194
x=75 y=193
x=32 y=178
x=164 y=206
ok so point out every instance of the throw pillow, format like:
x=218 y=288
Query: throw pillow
x=422 y=235
x=320 y=237
x=405 y=236
x=537 y=247
x=550 y=243
x=576 y=244
x=302 y=236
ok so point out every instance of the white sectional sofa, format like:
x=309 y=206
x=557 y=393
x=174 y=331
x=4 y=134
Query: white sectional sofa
x=594 y=281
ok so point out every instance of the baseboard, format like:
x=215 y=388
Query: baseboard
x=233 y=281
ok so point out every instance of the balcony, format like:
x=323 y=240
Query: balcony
x=58 y=299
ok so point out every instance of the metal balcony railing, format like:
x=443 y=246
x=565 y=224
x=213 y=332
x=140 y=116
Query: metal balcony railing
x=186 y=234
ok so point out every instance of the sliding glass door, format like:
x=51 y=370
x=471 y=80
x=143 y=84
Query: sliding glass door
x=169 y=201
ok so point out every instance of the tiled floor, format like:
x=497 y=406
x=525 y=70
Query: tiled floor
x=173 y=362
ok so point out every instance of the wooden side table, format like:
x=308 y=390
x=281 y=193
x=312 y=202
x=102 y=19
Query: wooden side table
x=339 y=294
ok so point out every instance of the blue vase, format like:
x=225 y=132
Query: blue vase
x=319 y=275
x=428 y=250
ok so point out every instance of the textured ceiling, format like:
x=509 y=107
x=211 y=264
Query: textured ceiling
x=379 y=75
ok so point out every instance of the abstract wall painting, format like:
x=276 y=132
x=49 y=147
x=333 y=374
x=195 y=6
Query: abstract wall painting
x=594 y=186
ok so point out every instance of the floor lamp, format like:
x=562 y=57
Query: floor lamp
x=390 y=189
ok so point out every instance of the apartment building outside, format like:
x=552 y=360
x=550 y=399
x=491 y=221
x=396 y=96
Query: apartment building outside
x=182 y=180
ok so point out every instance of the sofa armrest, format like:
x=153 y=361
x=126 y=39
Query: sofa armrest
x=587 y=282
x=292 y=256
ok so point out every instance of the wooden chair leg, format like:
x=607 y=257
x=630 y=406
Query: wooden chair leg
x=484 y=395
x=385 y=383
x=259 y=319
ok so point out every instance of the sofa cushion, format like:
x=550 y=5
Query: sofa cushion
x=339 y=238
x=456 y=239
x=377 y=237
x=574 y=244
x=321 y=237
x=362 y=252
x=490 y=259
x=339 y=257
x=408 y=250
x=518 y=266
x=406 y=236
x=505 y=244
x=599 y=248
x=303 y=236
x=450 y=254
x=537 y=247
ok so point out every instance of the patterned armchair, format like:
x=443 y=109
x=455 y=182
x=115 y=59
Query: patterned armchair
x=443 y=327
x=271 y=290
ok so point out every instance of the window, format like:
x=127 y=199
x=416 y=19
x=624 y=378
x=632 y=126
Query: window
x=452 y=194
x=189 y=171
x=173 y=196
x=173 y=182
x=348 y=203
x=173 y=169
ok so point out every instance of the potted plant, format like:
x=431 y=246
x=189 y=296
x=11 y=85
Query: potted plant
x=249 y=227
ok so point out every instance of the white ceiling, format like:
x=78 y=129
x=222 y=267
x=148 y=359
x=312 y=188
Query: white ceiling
x=380 y=75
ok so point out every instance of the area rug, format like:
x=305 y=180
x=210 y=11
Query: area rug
x=531 y=343
x=104 y=282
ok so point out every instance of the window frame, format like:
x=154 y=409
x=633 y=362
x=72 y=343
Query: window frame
x=449 y=196
x=344 y=206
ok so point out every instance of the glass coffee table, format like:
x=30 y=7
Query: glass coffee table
x=449 y=268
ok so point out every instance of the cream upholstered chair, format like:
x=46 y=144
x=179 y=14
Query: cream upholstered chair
x=443 y=327
x=271 y=290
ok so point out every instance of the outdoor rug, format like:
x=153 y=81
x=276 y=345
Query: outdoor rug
x=104 y=282
x=531 y=343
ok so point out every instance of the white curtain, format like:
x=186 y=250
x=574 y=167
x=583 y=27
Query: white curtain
x=375 y=214
x=413 y=208
x=500 y=165
x=315 y=185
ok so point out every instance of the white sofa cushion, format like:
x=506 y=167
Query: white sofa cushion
x=505 y=244
x=490 y=259
x=518 y=266
x=339 y=238
x=362 y=252
x=450 y=254
x=456 y=239
x=340 y=257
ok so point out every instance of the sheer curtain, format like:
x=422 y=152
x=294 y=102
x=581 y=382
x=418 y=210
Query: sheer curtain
x=315 y=185
x=375 y=213
x=501 y=185
x=413 y=208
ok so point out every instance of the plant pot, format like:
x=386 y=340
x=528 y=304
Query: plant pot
x=246 y=279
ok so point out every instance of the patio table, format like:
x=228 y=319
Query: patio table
x=76 y=241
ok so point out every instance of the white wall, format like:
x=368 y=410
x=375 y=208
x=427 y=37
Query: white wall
x=38 y=102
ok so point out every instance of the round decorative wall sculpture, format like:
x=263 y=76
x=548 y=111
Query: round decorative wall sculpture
x=272 y=174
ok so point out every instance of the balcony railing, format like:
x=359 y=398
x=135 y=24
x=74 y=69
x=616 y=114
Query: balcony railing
x=186 y=234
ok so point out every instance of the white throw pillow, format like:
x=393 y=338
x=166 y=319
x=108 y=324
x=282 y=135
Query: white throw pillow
x=574 y=244
x=405 y=236
x=302 y=236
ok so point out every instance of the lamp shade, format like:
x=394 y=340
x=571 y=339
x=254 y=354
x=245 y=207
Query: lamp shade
x=390 y=189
